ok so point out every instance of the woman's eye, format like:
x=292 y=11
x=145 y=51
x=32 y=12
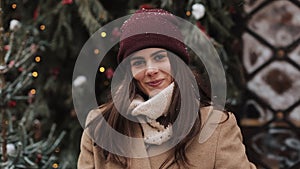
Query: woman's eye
x=159 y=57
x=137 y=63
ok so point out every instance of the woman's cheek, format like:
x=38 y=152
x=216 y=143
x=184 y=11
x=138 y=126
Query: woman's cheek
x=165 y=66
x=137 y=75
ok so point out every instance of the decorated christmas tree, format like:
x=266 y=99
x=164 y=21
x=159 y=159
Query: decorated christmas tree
x=23 y=144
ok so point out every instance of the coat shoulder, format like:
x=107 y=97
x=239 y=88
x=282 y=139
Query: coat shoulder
x=94 y=114
x=209 y=114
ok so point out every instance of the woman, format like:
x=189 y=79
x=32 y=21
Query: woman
x=161 y=105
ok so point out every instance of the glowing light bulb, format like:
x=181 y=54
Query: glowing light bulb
x=57 y=150
x=42 y=27
x=188 y=13
x=103 y=34
x=35 y=74
x=102 y=69
x=96 y=51
x=54 y=165
x=13 y=6
x=37 y=58
x=33 y=91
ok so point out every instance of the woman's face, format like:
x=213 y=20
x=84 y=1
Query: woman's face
x=152 y=69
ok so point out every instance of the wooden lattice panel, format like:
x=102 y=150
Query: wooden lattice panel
x=271 y=59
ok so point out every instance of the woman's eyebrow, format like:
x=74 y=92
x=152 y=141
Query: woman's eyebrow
x=136 y=58
x=152 y=54
x=155 y=53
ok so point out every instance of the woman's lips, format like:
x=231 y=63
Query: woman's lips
x=155 y=83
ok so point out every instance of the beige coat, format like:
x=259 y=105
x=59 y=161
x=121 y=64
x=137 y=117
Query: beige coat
x=223 y=150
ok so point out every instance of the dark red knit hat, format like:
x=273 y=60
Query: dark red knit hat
x=151 y=28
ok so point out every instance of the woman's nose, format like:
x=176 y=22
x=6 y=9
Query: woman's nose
x=150 y=71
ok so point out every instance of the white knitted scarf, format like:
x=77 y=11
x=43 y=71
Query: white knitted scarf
x=148 y=111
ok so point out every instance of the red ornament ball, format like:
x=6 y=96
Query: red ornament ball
x=12 y=103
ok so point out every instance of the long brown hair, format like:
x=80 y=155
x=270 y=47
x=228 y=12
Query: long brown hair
x=183 y=86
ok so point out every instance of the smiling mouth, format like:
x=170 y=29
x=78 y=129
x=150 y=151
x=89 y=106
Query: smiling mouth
x=155 y=83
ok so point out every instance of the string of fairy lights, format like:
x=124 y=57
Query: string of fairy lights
x=97 y=51
x=37 y=58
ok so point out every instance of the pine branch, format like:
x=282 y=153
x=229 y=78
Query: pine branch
x=2 y=84
x=217 y=25
x=87 y=17
x=11 y=42
x=1 y=36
